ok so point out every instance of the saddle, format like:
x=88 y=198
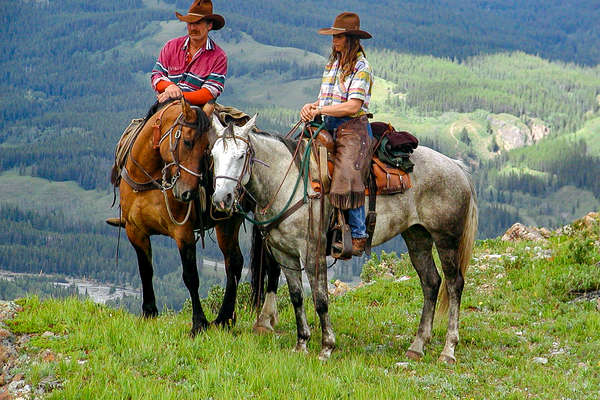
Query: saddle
x=389 y=178
x=379 y=177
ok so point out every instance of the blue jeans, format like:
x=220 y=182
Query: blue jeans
x=356 y=216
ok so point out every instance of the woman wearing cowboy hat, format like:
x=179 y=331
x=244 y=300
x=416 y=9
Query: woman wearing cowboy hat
x=192 y=66
x=344 y=96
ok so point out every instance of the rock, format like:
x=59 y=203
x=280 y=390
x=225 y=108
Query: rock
x=402 y=364
x=340 y=288
x=48 y=356
x=590 y=219
x=47 y=334
x=540 y=360
x=519 y=232
x=4 y=354
x=598 y=304
x=5 y=334
x=15 y=385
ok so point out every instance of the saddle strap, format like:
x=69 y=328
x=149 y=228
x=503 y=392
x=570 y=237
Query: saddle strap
x=371 y=220
x=137 y=186
x=267 y=228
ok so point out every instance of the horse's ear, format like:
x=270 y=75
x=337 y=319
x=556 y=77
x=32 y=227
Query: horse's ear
x=248 y=126
x=188 y=114
x=252 y=122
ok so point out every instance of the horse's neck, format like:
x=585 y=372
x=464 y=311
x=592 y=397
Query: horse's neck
x=265 y=181
x=144 y=155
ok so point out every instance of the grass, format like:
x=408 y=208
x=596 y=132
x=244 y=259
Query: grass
x=516 y=307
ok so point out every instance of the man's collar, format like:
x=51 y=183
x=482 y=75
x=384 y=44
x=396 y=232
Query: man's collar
x=208 y=46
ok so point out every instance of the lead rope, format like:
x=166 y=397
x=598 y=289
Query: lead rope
x=187 y=216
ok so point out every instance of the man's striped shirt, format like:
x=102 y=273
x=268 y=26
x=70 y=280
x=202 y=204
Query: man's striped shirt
x=207 y=68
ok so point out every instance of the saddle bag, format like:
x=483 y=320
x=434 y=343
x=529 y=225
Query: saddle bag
x=389 y=180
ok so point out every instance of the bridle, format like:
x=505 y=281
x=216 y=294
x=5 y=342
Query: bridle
x=165 y=184
x=240 y=189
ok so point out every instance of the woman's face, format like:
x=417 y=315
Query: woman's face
x=339 y=42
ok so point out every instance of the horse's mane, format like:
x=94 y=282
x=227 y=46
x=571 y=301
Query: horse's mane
x=204 y=122
x=202 y=126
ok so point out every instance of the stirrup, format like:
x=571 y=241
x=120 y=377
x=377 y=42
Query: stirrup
x=341 y=244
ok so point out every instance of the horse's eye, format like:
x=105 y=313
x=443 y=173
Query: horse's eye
x=188 y=143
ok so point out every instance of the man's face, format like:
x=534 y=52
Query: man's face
x=198 y=31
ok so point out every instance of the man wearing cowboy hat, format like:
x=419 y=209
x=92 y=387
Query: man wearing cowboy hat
x=192 y=66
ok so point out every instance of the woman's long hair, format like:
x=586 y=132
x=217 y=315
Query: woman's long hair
x=347 y=58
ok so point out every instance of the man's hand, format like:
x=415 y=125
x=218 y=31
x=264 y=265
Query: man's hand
x=208 y=109
x=308 y=112
x=171 y=92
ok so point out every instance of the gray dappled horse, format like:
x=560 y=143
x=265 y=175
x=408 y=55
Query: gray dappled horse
x=439 y=209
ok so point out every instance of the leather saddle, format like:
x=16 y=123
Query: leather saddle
x=389 y=179
x=383 y=179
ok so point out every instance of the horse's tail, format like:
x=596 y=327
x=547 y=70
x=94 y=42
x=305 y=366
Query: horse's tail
x=465 y=245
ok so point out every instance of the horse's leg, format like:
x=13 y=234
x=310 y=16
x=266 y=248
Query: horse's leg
x=269 y=317
x=227 y=236
x=448 y=253
x=187 y=250
x=420 y=243
x=141 y=243
x=293 y=274
x=317 y=276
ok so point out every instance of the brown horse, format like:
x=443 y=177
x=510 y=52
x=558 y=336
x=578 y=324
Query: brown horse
x=159 y=196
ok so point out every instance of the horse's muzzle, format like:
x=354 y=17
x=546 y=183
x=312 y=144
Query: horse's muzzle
x=223 y=202
x=184 y=196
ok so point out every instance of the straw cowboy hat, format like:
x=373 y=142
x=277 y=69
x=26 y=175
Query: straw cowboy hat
x=202 y=9
x=347 y=23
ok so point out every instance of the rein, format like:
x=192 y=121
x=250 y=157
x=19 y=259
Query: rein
x=165 y=184
x=287 y=210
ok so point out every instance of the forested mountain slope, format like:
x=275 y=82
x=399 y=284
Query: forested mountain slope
x=477 y=80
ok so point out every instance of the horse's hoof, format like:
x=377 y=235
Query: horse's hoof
x=198 y=328
x=413 y=355
x=228 y=323
x=301 y=347
x=262 y=329
x=151 y=313
x=325 y=353
x=447 y=359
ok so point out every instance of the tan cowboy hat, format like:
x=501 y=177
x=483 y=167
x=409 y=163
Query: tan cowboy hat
x=347 y=23
x=202 y=9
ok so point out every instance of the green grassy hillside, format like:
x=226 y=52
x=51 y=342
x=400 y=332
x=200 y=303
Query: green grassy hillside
x=526 y=316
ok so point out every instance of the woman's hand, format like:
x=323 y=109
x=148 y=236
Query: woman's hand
x=171 y=92
x=308 y=112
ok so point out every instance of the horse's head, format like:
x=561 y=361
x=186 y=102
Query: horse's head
x=232 y=157
x=183 y=140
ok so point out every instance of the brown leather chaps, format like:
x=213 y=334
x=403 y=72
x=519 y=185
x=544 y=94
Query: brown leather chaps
x=353 y=151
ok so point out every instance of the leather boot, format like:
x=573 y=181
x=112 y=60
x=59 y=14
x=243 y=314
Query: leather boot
x=115 y=222
x=358 y=246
